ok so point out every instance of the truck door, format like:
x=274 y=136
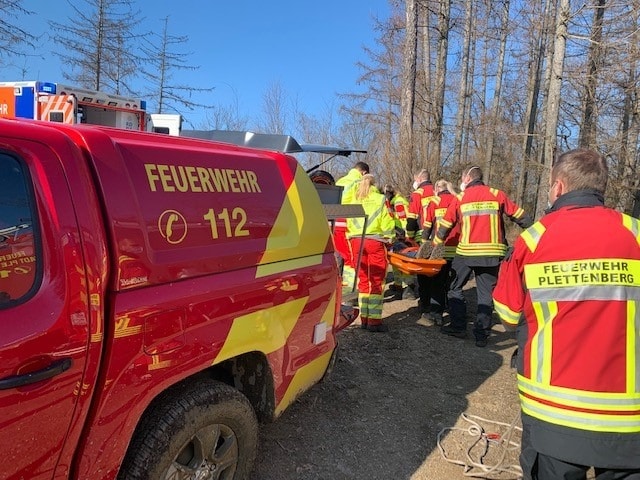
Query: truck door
x=43 y=313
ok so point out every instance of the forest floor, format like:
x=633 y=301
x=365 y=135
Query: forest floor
x=389 y=399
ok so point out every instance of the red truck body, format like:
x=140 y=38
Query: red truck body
x=148 y=261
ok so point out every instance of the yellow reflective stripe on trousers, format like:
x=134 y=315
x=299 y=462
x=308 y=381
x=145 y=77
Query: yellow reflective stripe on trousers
x=542 y=341
x=370 y=305
x=375 y=306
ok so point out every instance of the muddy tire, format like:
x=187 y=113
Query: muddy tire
x=205 y=430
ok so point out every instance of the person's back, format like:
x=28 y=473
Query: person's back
x=379 y=224
x=479 y=210
x=572 y=287
x=378 y=230
x=590 y=283
x=433 y=215
x=349 y=184
x=482 y=232
x=433 y=290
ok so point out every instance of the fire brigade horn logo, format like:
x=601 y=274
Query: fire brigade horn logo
x=172 y=226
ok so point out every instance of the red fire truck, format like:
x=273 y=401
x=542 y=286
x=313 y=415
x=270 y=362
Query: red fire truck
x=158 y=296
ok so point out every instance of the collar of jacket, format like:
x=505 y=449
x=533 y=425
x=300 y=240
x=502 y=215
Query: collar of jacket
x=578 y=198
x=474 y=183
x=424 y=184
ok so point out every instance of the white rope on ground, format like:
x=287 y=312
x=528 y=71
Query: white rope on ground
x=483 y=441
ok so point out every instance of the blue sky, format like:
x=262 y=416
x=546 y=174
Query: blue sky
x=309 y=48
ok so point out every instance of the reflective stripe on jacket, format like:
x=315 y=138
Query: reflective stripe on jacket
x=432 y=216
x=479 y=212
x=349 y=183
x=398 y=208
x=417 y=200
x=379 y=224
x=572 y=285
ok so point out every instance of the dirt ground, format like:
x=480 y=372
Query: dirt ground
x=388 y=399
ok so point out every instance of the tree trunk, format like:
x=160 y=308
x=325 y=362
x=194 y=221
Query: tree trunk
x=425 y=140
x=464 y=78
x=553 y=103
x=407 y=101
x=495 y=110
x=629 y=130
x=441 y=75
x=535 y=79
x=590 y=118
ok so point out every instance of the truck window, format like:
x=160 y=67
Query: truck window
x=18 y=264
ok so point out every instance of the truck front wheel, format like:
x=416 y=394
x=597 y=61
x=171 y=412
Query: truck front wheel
x=207 y=430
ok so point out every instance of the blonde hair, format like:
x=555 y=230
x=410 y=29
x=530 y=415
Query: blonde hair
x=422 y=176
x=364 y=187
x=442 y=185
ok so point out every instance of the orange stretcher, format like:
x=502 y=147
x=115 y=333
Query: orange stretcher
x=411 y=266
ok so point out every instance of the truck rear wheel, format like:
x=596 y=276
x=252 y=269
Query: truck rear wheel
x=203 y=431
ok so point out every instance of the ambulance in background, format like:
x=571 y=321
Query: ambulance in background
x=56 y=102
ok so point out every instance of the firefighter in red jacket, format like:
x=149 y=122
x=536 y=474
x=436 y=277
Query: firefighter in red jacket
x=479 y=210
x=437 y=286
x=422 y=193
x=572 y=288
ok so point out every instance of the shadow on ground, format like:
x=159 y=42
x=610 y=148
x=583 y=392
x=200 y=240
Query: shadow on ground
x=390 y=394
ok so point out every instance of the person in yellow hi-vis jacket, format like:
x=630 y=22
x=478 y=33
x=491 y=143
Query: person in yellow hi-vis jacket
x=349 y=183
x=379 y=232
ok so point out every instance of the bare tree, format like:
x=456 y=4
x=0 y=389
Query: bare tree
x=423 y=104
x=589 y=119
x=497 y=91
x=377 y=109
x=276 y=114
x=163 y=61
x=463 y=92
x=98 y=44
x=540 y=41
x=407 y=100
x=441 y=76
x=13 y=39
x=553 y=101
x=225 y=116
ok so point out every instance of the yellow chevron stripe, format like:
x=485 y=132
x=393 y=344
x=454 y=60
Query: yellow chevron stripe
x=294 y=235
x=266 y=330
x=304 y=378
